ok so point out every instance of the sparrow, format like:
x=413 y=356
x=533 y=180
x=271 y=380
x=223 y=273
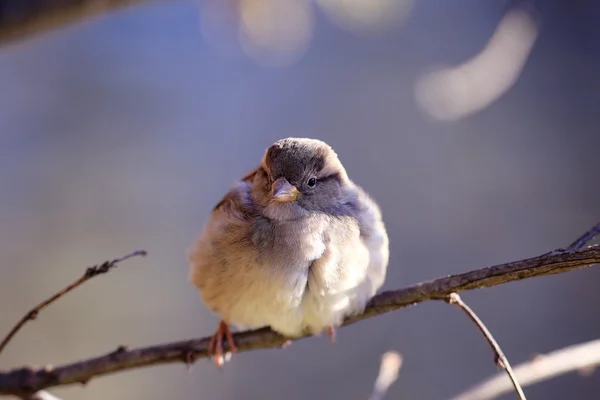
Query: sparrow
x=295 y=245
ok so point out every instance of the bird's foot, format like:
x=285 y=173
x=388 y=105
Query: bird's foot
x=189 y=360
x=215 y=346
x=331 y=333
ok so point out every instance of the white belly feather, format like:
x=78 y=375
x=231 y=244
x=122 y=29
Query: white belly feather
x=313 y=286
x=303 y=280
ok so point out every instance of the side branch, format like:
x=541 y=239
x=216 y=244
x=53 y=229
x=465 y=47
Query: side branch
x=89 y=274
x=499 y=357
x=585 y=238
x=28 y=380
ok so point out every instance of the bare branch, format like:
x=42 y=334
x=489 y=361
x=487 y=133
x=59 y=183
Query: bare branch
x=89 y=274
x=391 y=362
x=21 y=19
x=29 y=380
x=585 y=238
x=578 y=357
x=499 y=357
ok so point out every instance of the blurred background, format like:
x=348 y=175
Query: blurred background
x=473 y=123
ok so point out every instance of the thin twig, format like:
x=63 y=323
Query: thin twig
x=578 y=357
x=89 y=273
x=391 y=362
x=499 y=357
x=585 y=238
x=30 y=380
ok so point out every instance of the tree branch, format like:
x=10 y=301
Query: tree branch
x=21 y=19
x=499 y=357
x=23 y=381
x=578 y=357
x=391 y=362
x=585 y=238
x=89 y=274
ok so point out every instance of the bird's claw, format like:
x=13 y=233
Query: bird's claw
x=215 y=346
x=189 y=360
x=331 y=333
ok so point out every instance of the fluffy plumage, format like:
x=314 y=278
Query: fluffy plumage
x=299 y=265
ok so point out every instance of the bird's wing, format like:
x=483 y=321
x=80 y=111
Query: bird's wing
x=373 y=235
x=234 y=193
x=250 y=175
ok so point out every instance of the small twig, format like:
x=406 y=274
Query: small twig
x=578 y=357
x=499 y=357
x=89 y=273
x=585 y=238
x=391 y=362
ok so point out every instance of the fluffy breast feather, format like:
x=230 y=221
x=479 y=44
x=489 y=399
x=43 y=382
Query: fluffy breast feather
x=295 y=276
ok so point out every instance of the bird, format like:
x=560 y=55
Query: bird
x=295 y=245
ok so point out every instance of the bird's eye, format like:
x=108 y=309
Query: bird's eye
x=312 y=182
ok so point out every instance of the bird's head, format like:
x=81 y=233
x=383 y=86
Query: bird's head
x=299 y=176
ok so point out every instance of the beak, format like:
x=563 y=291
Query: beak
x=283 y=191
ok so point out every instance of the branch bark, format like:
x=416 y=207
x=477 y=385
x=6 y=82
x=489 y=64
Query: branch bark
x=21 y=19
x=26 y=380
